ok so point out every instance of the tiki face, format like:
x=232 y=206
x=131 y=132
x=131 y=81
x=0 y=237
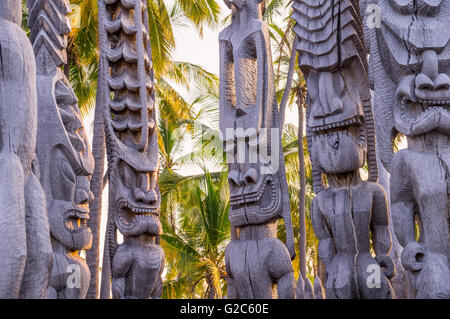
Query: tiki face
x=70 y=167
x=137 y=201
x=422 y=101
x=254 y=197
x=334 y=98
x=336 y=119
x=247 y=109
x=418 y=65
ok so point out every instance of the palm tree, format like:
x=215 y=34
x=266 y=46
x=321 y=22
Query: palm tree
x=196 y=246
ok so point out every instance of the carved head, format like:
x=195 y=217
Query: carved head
x=137 y=198
x=11 y=10
x=333 y=59
x=335 y=117
x=422 y=100
x=415 y=71
x=66 y=162
x=256 y=6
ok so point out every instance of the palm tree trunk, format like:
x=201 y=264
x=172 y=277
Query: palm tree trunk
x=212 y=293
x=94 y=222
x=301 y=209
x=289 y=77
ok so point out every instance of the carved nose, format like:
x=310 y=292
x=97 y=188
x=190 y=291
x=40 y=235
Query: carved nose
x=83 y=197
x=233 y=178
x=331 y=86
x=250 y=177
x=430 y=80
x=149 y=197
x=424 y=83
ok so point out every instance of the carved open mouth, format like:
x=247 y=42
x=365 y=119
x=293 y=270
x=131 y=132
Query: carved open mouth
x=76 y=221
x=129 y=214
x=338 y=126
x=252 y=201
x=411 y=110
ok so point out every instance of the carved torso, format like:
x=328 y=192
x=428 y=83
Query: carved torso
x=143 y=265
x=350 y=215
x=70 y=275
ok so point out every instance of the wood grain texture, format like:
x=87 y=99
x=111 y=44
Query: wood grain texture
x=350 y=216
x=25 y=252
x=257 y=261
x=409 y=63
x=131 y=143
x=66 y=162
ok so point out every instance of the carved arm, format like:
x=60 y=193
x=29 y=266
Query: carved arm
x=381 y=235
x=326 y=243
x=123 y=259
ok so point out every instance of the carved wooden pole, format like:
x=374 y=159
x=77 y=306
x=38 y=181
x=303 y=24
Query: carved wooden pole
x=249 y=122
x=409 y=63
x=341 y=136
x=66 y=162
x=131 y=139
x=25 y=249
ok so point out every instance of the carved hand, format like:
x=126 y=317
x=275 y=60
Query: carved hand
x=385 y=261
x=427 y=121
x=413 y=256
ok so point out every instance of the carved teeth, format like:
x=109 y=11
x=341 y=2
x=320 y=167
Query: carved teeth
x=336 y=125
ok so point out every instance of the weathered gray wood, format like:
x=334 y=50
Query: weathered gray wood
x=65 y=158
x=131 y=138
x=25 y=250
x=347 y=213
x=409 y=63
x=256 y=259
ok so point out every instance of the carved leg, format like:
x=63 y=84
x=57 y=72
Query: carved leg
x=280 y=268
x=255 y=265
x=339 y=283
x=286 y=289
x=247 y=263
x=123 y=259
x=372 y=284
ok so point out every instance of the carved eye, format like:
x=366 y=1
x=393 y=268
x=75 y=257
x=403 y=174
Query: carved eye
x=127 y=174
x=64 y=183
x=67 y=171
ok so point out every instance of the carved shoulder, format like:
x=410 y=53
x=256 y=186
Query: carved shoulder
x=225 y=34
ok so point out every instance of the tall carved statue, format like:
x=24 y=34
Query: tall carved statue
x=256 y=260
x=25 y=249
x=349 y=215
x=128 y=94
x=410 y=74
x=66 y=162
